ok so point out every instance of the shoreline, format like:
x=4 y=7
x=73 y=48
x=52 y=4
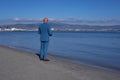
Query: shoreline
x=67 y=59
x=116 y=70
x=22 y=65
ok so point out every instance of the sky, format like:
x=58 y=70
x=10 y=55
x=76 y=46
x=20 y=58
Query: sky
x=87 y=11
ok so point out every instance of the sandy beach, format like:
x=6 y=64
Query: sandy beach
x=22 y=65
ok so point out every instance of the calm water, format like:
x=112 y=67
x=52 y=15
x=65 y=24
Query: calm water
x=95 y=48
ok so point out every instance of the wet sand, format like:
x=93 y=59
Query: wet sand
x=22 y=65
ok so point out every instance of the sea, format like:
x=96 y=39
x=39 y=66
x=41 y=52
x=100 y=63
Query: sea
x=94 y=48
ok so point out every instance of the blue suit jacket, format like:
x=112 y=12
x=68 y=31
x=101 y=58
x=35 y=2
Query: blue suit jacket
x=44 y=31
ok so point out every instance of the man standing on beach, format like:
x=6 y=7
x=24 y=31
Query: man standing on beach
x=44 y=31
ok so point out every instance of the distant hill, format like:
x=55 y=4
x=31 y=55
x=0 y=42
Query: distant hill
x=63 y=26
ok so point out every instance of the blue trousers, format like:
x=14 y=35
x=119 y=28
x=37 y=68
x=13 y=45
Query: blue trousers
x=43 y=49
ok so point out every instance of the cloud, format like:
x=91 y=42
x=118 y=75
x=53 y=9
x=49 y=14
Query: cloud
x=67 y=21
x=20 y=21
x=92 y=22
x=26 y=19
x=16 y=19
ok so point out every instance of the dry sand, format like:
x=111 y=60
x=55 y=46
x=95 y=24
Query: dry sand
x=21 y=65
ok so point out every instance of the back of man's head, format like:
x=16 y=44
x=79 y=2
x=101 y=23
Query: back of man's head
x=45 y=20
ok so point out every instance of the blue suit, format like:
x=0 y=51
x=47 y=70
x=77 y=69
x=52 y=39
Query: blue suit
x=45 y=32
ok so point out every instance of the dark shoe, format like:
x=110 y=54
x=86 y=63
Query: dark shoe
x=46 y=60
x=39 y=56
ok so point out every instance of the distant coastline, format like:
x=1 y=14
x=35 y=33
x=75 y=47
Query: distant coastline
x=64 y=30
x=59 y=27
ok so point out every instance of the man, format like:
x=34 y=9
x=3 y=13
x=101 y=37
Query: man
x=45 y=32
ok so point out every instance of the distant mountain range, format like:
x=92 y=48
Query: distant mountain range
x=63 y=27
